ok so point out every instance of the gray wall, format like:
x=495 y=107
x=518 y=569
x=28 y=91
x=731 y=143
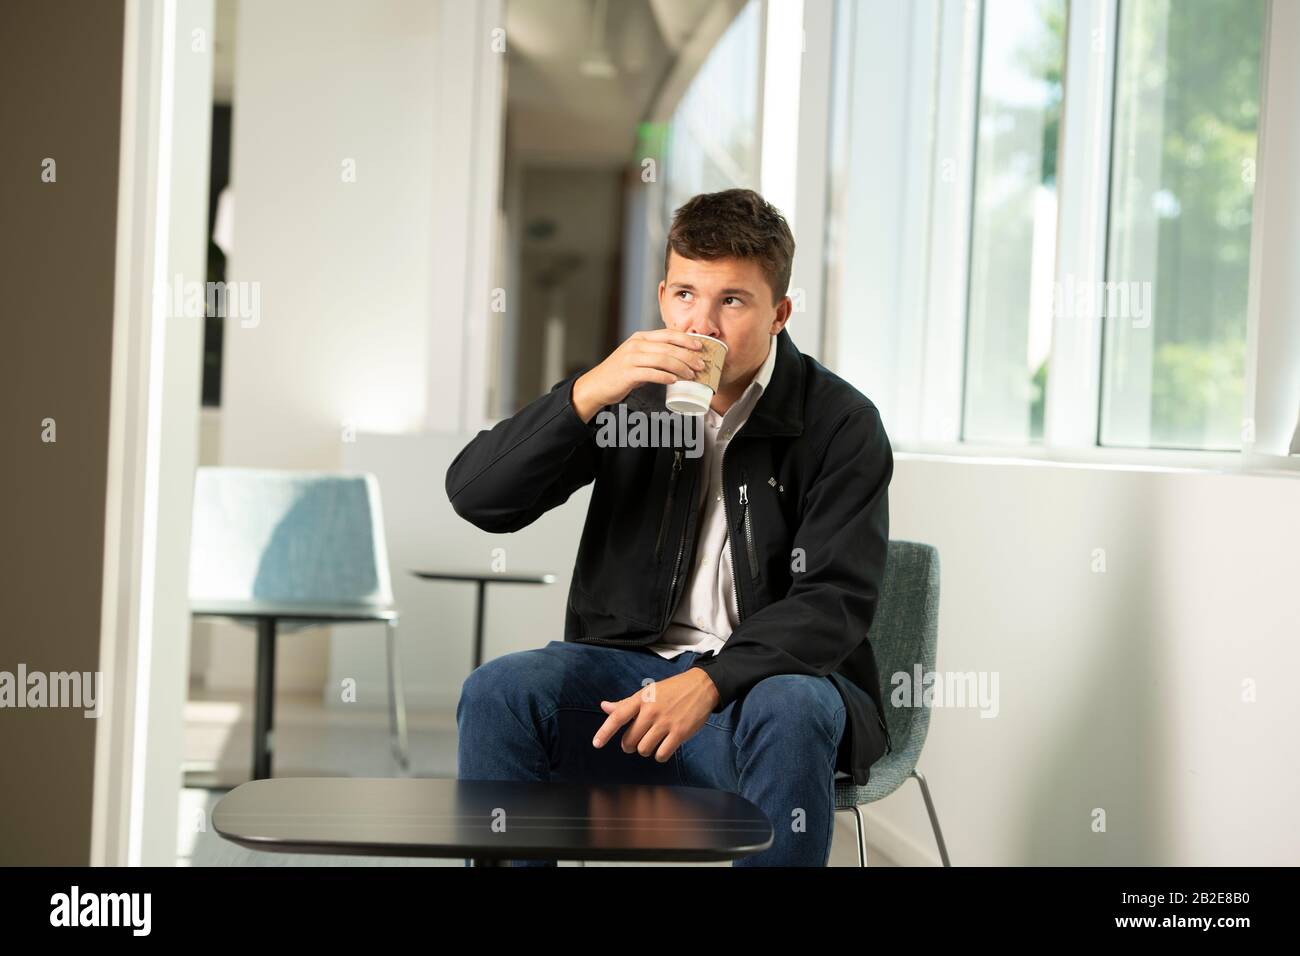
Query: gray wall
x=61 y=81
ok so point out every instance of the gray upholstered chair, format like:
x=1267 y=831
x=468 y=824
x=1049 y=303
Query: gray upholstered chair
x=292 y=549
x=904 y=633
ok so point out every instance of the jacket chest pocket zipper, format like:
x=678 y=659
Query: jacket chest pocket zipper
x=668 y=505
x=748 y=528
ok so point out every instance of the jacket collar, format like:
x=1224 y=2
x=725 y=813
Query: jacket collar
x=780 y=407
x=764 y=374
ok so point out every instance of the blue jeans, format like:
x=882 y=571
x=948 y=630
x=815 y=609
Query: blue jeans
x=531 y=716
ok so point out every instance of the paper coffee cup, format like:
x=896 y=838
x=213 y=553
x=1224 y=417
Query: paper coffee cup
x=692 y=396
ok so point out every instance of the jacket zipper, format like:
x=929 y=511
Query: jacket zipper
x=677 y=564
x=668 y=505
x=749 y=532
x=735 y=589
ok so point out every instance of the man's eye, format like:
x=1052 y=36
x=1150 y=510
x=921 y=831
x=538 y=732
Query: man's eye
x=682 y=292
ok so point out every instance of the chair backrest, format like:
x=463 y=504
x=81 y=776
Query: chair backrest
x=288 y=536
x=905 y=633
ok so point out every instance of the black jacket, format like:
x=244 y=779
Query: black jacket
x=806 y=480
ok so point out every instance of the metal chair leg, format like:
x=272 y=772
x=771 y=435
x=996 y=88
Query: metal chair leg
x=934 y=817
x=396 y=702
x=861 y=824
x=862 y=835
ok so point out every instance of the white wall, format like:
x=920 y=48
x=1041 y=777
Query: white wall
x=343 y=266
x=1120 y=690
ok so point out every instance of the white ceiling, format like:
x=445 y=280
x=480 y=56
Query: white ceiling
x=559 y=115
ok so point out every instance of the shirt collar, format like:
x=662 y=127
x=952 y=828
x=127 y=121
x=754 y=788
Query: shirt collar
x=764 y=373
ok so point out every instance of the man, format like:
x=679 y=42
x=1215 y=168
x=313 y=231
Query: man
x=716 y=627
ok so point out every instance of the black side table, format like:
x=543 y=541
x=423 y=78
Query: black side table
x=266 y=615
x=482 y=580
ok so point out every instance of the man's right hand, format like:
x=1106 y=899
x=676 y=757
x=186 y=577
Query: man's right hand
x=660 y=355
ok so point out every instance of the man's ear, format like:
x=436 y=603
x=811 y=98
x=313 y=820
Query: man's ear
x=783 y=310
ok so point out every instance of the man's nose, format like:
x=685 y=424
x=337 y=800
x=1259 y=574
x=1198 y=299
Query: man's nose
x=701 y=325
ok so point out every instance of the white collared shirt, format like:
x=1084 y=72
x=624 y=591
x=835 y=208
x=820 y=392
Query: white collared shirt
x=707 y=612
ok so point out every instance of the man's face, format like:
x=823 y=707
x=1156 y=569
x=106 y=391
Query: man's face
x=728 y=299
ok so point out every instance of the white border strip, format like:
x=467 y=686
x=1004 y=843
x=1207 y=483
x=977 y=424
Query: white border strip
x=1074 y=379
x=944 y=352
x=132 y=493
x=1272 y=386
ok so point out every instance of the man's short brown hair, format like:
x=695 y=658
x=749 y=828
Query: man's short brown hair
x=734 y=223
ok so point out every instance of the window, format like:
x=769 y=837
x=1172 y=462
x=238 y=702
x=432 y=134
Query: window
x=1186 y=111
x=1013 y=230
x=1039 y=219
x=713 y=135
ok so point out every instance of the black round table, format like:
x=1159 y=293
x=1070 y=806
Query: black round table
x=490 y=821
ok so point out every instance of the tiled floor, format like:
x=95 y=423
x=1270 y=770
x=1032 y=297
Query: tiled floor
x=314 y=741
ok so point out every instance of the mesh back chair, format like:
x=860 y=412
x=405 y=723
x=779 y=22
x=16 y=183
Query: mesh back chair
x=904 y=633
x=293 y=549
